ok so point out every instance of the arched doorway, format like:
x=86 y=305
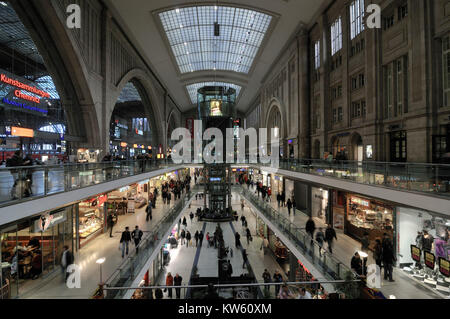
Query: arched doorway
x=357 y=147
x=316 y=149
x=274 y=121
x=131 y=124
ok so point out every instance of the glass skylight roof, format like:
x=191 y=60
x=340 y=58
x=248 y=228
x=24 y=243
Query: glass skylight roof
x=190 y=31
x=129 y=94
x=193 y=88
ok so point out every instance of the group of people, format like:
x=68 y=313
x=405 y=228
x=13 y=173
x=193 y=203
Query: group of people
x=175 y=187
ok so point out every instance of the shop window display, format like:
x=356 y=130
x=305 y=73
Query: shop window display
x=28 y=253
x=91 y=218
x=365 y=215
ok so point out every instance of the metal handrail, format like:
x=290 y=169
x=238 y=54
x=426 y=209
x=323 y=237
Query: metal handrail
x=240 y=285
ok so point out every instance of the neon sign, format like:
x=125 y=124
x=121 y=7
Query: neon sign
x=24 y=106
x=23 y=86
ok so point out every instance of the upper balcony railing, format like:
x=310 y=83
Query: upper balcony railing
x=420 y=177
x=18 y=184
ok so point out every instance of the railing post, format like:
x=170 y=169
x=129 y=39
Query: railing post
x=45 y=181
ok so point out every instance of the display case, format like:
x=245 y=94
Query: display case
x=91 y=222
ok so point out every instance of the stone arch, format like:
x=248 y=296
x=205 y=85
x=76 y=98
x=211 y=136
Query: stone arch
x=66 y=67
x=149 y=98
x=356 y=146
x=275 y=117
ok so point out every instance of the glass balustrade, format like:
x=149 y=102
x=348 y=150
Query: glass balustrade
x=329 y=265
x=18 y=184
x=133 y=264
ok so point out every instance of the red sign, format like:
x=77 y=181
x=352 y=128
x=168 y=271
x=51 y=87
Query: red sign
x=23 y=86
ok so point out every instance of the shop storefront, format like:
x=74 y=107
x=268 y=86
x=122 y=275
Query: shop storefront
x=368 y=215
x=319 y=203
x=32 y=248
x=91 y=217
x=424 y=247
x=87 y=155
x=277 y=184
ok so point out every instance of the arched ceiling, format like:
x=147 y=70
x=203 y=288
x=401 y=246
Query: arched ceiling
x=177 y=39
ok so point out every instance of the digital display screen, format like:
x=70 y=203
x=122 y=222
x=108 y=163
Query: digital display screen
x=215 y=179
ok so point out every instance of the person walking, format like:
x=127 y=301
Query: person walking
x=169 y=197
x=267 y=279
x=66 y=261
x=243 y=220
x=169 y=282
x=191 y=216
x=277 y=278
x=310 y=227
x=378 y=252
x=244 y=257
x=184 y=221
x=249 y=236
x=278 y=199
x=289 y=206
x=137 y=236
x=200 y=238
x=177 y=282
x=237 y=238
x=188 y=238
x=388 y=259
x=230 y=269
x=125 y=240
x=320 y=237
x=294 y=206
x=265 y=245
x=148 y=210
x=330 y=236
x=196 y=236
x=365 y=242
x=183 y=236
x=110 y=222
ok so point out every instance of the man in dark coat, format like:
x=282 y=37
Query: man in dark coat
x=177 y=282
x=125 y=240
x=310 y=227
x=330 y=236
x=388 y=258
x=137 y=236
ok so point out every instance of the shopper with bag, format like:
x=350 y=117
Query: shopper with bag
x=188 y=238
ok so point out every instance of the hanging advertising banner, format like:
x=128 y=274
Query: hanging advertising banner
x=415 y=253
x=23 y=95
x=444 y=267
x=430 y=260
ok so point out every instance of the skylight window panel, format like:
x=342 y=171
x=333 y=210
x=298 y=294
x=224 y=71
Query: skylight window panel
x=184 y=59
x=189 y=34
x=226 y=16
x=174 y=37
x=206 y=15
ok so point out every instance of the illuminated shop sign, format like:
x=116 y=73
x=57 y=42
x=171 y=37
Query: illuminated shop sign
x=23 y=94
x=444 y=267
x=430 y=260
x=359 y=201
x=22 y=132
x=5 y=79
x=415 y=253
x=23 y=106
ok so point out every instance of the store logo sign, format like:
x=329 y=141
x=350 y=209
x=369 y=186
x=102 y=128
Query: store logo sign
x=374 y=18
x=373 y=276
x=74 y=278
x=74 y=19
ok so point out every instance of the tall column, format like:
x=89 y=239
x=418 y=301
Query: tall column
x=324 y=79
x=304 y=143
x=105 y=48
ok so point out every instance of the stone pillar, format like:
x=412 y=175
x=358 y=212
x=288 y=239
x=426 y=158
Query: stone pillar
x=304 y=141
x=324 y=71
x=106 y=74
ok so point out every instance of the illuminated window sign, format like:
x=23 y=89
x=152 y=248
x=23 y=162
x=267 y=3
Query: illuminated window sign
x=22 y=132
x=215 y=179
x=123 y=144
